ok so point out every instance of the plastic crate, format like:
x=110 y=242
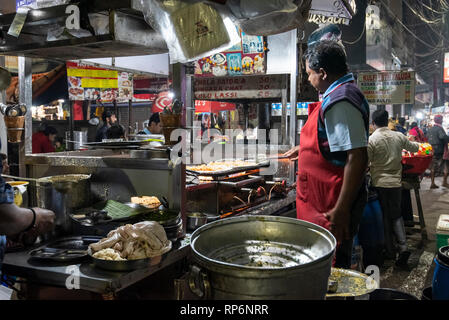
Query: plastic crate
x=416 y=164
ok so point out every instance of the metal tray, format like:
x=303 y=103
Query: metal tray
x=124 y=266
x=116 y=143
x=350 y=283
x=230 y=171
x=65 y=249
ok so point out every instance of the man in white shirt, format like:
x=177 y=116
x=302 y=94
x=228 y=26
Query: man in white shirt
x=385 y=154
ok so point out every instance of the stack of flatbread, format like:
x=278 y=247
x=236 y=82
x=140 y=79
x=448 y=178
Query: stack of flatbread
x=149 y=202
x=142 y=240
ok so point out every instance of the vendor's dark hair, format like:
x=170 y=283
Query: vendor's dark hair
x=154 y=118
x=115 y=132
x=401 y=121
x=50 y=130
x=329 y=55
x=414 y=124
x=380 y=118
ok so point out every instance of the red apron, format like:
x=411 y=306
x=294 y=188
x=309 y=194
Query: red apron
x=319 y=181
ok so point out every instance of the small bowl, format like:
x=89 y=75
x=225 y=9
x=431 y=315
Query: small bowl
x=196 y=220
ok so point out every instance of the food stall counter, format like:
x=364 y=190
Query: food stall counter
x=91 y=278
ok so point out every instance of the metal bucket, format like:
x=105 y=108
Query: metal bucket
x=63 y=194
x=261 y=257
x=79 y=139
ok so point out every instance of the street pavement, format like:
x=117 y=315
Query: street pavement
x=419 y=274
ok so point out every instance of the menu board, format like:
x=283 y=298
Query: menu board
x=254 y=87
x=92 y=83
x=245 y=58
x=393 y=87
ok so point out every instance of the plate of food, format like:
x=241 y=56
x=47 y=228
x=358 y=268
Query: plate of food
x=76 y=93
x=75 y=82
x=131 y=247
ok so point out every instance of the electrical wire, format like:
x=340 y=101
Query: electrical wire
x=359 y=38
x=421 y=16
x=440 y=35
x=433 y=10
x=405 y=27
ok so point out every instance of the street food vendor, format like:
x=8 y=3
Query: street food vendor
x=20 y=224
x=109 y=119
x=332 y=155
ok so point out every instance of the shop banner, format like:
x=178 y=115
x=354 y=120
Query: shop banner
x=92 y=83
x=393 y=87
x=213 y=106
x=245 y=58
x=252 y=87
x=26 y=3
x=446 y=67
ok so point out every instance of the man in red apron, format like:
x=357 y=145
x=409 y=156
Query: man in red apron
x=332 y=156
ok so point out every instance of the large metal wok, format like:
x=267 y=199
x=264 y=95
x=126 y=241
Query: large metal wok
x=261 y=257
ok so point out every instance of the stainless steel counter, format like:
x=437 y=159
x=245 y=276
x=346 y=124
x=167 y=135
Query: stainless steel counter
x=92 y=278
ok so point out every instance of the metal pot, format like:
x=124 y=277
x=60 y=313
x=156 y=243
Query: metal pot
x=79 y=139
x=196 y=220
x=63 y=194
x=261 y=257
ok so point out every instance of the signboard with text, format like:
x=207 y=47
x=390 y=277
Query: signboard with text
x=391 y=87
x=252 y=87
x=91 y=83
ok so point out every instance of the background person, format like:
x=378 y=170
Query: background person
x=154 y=125
x=42 y=141
x=385 y=160
x=439 y=140
x=109 y=119
x=416 y=134
x=115 y=132
x=400 y=126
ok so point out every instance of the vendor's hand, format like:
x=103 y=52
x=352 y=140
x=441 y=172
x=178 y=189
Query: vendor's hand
x=45 y=220
x=292 y=153
x=339 y=220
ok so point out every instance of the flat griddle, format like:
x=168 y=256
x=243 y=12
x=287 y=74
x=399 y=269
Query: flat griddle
x=228 y=172
x=65 y=250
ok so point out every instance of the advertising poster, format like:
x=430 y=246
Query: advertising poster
x=92 y=83
x=245 y=58
x=234 y=63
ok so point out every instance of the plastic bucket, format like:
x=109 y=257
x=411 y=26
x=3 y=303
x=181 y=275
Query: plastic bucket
x=440 y=284
x=371 y=233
